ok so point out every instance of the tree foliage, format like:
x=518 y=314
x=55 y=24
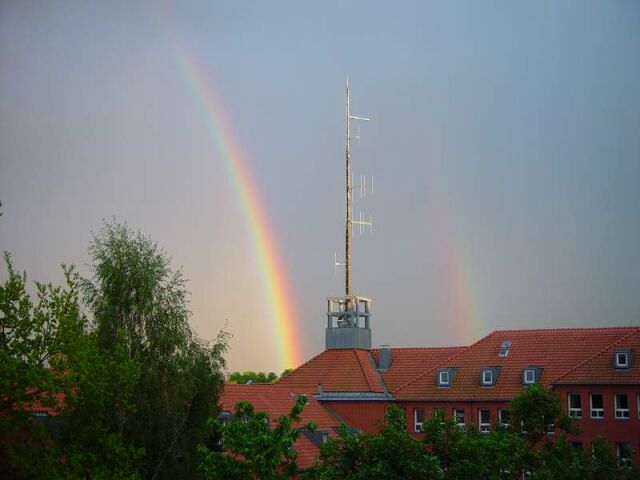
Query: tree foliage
x=391 y=454
x=129 y=391
x=252 y=446
x=252 y=377
x=140 y=315
x=37 y=340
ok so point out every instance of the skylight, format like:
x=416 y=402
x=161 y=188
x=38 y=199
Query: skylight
x=504 y=348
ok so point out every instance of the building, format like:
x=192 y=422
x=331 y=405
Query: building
x=595 y=371
x=278 y=400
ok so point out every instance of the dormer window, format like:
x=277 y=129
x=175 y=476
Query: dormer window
x=622 y=359
x=529 y=376
x=489 y=376
x=445 y=376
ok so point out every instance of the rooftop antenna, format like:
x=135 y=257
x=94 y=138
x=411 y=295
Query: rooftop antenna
x=363 y=221
x=349 y=316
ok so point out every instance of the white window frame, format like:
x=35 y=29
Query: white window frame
x=574 y=412
x=626 y=360
x=596 y=413
x=484 y=378
x=527 y=380
x=462 y=425
x=486 y=426
x=417 y=426
x=441 y=375
x=501 y=420
x=621 y=413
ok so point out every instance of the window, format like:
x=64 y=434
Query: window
x=576 y=445
x=458 y=415
x=621 y=359
x=504 y=417
x=529 y=376
x=484 y=420
x=418 y=419
x=623 y=452
x=504 y=348
x=523 y=429
x=446 y=376
x=575 y=405
x=597 y=405
x=622 y=406
x=549 y=429
x=325 y=437
x=487 y=377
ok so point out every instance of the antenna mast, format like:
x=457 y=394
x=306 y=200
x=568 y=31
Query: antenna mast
x=349 y=190
x=347 y=247
x=349 y=316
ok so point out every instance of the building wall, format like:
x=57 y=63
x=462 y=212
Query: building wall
x=613 y=430
x=471 y=412
x=365 y=415
x=368 y=416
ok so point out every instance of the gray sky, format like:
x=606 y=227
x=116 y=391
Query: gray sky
x=505 y=144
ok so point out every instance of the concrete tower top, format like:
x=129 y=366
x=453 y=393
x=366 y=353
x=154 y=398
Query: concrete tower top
x=348 y=322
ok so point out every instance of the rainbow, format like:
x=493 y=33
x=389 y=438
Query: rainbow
x=464 y=311
x=269 y=262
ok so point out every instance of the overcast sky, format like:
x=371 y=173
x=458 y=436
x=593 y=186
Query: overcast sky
x=504 y=141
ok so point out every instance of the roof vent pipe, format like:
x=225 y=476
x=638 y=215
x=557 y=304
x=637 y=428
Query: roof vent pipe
x=385 y=357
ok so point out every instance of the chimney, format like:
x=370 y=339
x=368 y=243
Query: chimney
x=385 y=357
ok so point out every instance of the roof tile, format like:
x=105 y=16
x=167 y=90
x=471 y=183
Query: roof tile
x=556 y=351
x=336 y=370
x=599 y=368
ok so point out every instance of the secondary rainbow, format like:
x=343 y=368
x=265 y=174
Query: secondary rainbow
x=464 y=312
x=270 y=265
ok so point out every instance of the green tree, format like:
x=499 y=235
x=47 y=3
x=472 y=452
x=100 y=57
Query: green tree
x=474 y=455
x=253 y=446
x=47 y=360
x=252 y=377
x=391 y=454
x=286 y=372
x=535 y=411
x=35 y=342
x=140 y=315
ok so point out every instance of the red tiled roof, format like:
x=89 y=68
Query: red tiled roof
x=408 y=363
x=599 y=368
x=556 y=351
x=277 y=400
x=307 y=452
x=36 y=406
x=339 y=370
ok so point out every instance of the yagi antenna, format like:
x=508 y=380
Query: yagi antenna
x=363 y=186
x=363 y=221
